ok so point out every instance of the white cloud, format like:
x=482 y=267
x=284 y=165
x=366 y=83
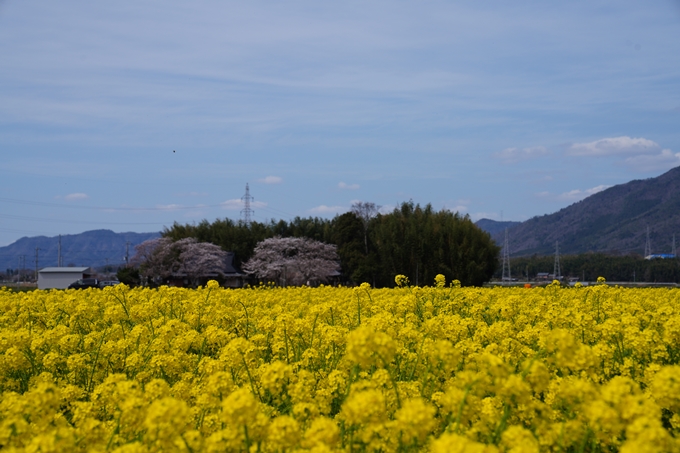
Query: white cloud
x=76 y=196
x=323 y=209
x=580 y=194
x=640 y=154
x=665 y=160
x=458 y=208
x=342 y=185
x=237 y=204
x=519 y=154
x=271 y=180
x=615 y=146
x=574 y=195
x=169 y=207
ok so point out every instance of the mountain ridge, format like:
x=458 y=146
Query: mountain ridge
x=613 y=221
x=92 y=248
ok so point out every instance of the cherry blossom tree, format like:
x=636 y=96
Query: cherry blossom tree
x=161 y=258
x=199 y=259
x=153 y=258
x=293 y=261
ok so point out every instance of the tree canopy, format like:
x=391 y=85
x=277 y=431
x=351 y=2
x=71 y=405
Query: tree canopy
x=373 y=247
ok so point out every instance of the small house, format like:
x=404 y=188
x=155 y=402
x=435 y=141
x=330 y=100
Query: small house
x=61 y=277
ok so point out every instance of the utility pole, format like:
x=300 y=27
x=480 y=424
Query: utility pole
x=673 y=251
x=59 y=253
x=506 y=259
x=246 y=211
x=22 y=271
x=36 y=263
x=127 y=253
x=557 y=272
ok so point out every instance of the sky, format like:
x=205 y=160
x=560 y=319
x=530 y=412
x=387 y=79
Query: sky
x=132 y=115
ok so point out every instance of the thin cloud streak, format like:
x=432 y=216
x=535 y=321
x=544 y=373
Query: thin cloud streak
x=345 y=186
x=271 y=180
x=76 y=196
x=614 y=147
x=513 y=155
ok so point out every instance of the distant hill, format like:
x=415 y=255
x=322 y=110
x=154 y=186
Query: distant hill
x=612 y=221
x=493 y=226
x=91 y=248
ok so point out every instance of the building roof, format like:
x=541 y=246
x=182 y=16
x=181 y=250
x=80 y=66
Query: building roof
x=662 y=256
x=62 y=270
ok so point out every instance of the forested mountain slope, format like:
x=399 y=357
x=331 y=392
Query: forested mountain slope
x=612 y=221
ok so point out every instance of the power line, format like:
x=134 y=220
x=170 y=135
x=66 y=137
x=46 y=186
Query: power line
x=107 y=208
x=46 y=219
x=118 y=209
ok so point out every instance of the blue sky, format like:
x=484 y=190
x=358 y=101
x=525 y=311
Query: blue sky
x=495 y=109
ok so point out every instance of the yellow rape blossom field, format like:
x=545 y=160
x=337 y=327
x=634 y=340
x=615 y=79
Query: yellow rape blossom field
x=440 y=369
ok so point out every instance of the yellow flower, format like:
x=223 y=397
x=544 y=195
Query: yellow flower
x=284 y=433
x=365 y=346
x=240 y=408
x=212 y=284
x=401 y=280
x=454 y=443
x=322 y=431
x=517 y=439
x=415 y=419
x=365 y=406
x=665 y=388
x=274 y=376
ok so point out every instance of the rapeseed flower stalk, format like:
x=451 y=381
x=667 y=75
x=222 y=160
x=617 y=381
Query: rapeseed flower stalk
x=440 y=368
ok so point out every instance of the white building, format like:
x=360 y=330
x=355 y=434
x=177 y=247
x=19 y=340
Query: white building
x=61 y=277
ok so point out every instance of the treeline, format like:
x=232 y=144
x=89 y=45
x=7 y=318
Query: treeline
x=589 y=266
x=415 y=241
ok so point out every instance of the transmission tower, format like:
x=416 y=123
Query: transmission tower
x=557 y=272
x=506 y=260
x=673 y=250
x=648 y=245
x=246 y=212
